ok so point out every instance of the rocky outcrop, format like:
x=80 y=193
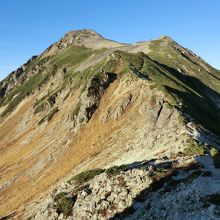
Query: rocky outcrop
x=119 y=109
x=86 y=38
x=15 y=78
x=126 y=192
x=90 y=98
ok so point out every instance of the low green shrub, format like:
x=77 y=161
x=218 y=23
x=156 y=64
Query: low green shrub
x=213 y=152
x=116 y=169
x=216 y=157
x=90 y=174
x=64 y=204
x=193 y=148
x=212 y=199
x=87 y=175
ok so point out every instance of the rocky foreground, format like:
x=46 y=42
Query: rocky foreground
x=180 y=188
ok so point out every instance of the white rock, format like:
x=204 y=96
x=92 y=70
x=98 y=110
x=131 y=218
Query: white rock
x=61 y=216
x=121 y=205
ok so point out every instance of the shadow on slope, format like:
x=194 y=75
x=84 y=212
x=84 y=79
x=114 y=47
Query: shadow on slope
x=198 y=101
x=164 y=181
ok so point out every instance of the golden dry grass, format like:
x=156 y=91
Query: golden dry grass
x=18 y=159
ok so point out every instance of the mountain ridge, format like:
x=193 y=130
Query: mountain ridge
x=82 y=105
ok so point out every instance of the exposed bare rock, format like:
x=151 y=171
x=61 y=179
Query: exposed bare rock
x=86 y=38
x=118 y=109
x=126 y=192
x=90 y=99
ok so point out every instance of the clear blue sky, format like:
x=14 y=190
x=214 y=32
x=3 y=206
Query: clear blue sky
x=27 y=27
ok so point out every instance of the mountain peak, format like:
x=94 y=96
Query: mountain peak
x=85 y=37
x=166 y=38
x=84 y=33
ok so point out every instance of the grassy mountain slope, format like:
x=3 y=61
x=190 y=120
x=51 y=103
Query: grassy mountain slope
x=87 y=102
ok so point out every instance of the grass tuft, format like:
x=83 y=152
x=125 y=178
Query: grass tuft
x=87 y=175
x=193 y=148
x=116 y=170
x=216 y=157
x=64 y=204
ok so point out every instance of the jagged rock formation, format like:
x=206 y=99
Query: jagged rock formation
x=88 y=102
x=144 y=190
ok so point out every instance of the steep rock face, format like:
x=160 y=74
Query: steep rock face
x=89 y=100
x=92 y=103
x=15 y=78
x=148 y=127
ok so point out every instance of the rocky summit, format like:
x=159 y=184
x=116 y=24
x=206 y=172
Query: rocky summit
x=96 y=129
